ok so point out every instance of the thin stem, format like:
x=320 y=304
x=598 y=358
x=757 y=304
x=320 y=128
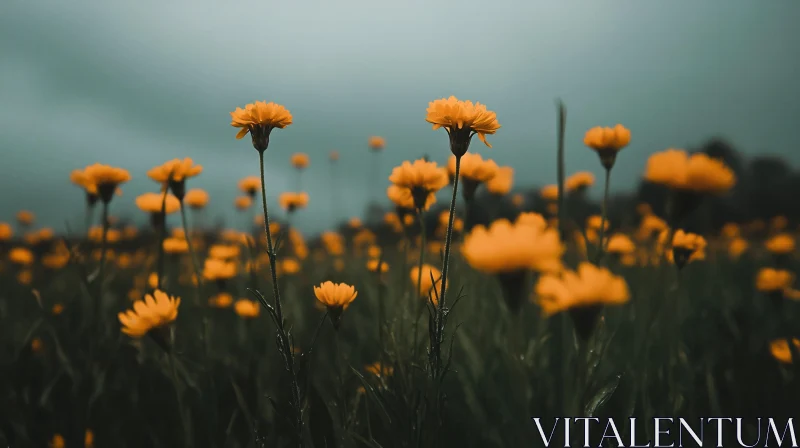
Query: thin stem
x=283 y=335
x=601 y=248
x=101 y=274
x=440 y=311
x=562 y=213
x=179 y=398
x=421 y=217
x=195 y=263
x=161 y=235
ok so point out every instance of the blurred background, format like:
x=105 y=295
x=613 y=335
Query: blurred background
x=134 y=85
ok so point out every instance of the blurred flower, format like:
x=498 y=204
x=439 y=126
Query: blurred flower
x=462 y=120
x=25 y=217
x=259 y=119
x=247 y=309
x=36 y=345
x=518 y=200
x=780 y=244
x=589 y=285
x=779 y=223
x=336 y=297
x=6 y=232
x=372 y=266
x=79 y=178
x=374 y=251
x=25 y=277
x=196 y=198
x=215 y=269
x=175 y=170
x=292 y=201
x=578 y=181
x=354 y=223
x=56 y=260
x=650 y=226
x=644 y=209
x=333 y=156
x=430 y=275
x=607 y=142
x=224 y=252
x=57 y=441
x=736 y=247
x=21 y=256
x=156 y=310
x=771 y=280
x=697 y=173
x=107 y=179
x=88 y=439
x=421 y=178
x=780 y=349
x=300 y=160
x=379 y=370
x=289 y=266
x=96 y=235
x=333 y=242
x=620 y=244
x=42 y=235
x=376 y=143
x=243 y=202
x=730 y=230
x=502 y=182
x=152 y=203
x=549 y=192
x=506 y=247
x=176 y=245
x=402 y=197
x=250 y=185
x=686 y=247
x=221 y=300
x=444 y=220
x=594 y=222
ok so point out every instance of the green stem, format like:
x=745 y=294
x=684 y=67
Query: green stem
x=161 y=235
x=284 y=337
x=562 y=213
x=179 y=398
x=195 y=263
x=441 y=309
x=101 y=273
x=601 y=248
x=421 y=217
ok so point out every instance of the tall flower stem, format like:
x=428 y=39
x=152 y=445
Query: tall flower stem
x=88 y=218
x=562 y=213
x=161 y=235
x=423 y=238
x=441 y=310
x=101 y=272
x=284 y=341
x=179 y=398
x=195 y=263
x=601 y=248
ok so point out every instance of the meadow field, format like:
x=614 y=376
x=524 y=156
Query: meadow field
x=472 y=304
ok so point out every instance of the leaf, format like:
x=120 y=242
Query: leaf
x=320 y=422
x=602 y=396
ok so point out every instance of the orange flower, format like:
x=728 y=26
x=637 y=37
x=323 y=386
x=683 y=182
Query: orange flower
x=216 y=270
x=620 y=244
x=292 y=201
x=152 y=203
x=502 y=182
x=736 y=247
x=176 y=245
x=58 y=441
x=780 y=244
x=595 y=221
x=300 y=160
x=372 y=266
x=421 y=178
x=607 y=142
x=379 y=370
x=579 y=180
x=549 y=192
x=354 y=223
x=221 y=300
x=698 y=173
x=402 y=197
x=289 y=266
x=780 y=350
x=430 y=275
x=6 y=232
x=243 y=202
x=106 y=178
x=247 y=309
x=651 y=225
x=335 y=295
x=462 y=120
x=474 y=168
x=259 y=119
x=196 y=198
x=506 y=247
x=96 y=235
x=154 y=311
x=377 y=143
x=518 y=200
x=79 y=178
x=250 y=185
x=223 y=252
x=25 y=218
x=686 y=247
x=175 y=170
x=771 y=280
x=589 y=285
x=333 y=156
x=333 y=242
x=21 y=256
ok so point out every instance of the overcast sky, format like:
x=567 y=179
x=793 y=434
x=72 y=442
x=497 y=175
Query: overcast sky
x=133 y=84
